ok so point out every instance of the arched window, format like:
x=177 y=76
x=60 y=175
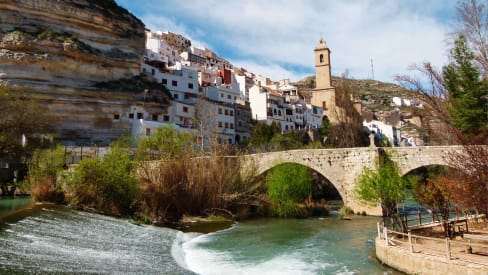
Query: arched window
x=321 y=58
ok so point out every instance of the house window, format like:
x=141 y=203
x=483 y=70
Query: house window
x=148 y=131
x=274 y=111
x=226 y=112
x=185 y=109
x=238 y=113
x=235 y=97
x=131 y=116
x=229 y=97
x=174 y=83
x=220 y=111
x=279 y=112
x=164 y=81
x=190 y=85
x=222 y=95
x=231 y=112
x=226 y=125
x=153 y=71
x=175 y=96
x=239 y=123
x=220 y=124
x=324 y=105
x=155 y=117
x=166 y=118
x=232 y=125
x=139 y=115
x=116 y=116
x=321 y=58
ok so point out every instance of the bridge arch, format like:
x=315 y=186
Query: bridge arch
x=343 y=166
x=340 y=191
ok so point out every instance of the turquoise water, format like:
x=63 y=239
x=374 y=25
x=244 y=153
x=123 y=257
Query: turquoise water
x=52 y=239
x=287 y=246
x=10 y=204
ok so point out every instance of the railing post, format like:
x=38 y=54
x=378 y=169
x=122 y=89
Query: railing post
x=420 y=217
x=379 y=229
x=385 y=232
x=410 y=246
x=448 y=249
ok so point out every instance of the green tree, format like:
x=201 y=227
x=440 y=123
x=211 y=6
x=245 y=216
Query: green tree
x=467 y=91
x=261 y=135
x=383 y=184
x=21 y=116
x=165 y=144
x=288 y=184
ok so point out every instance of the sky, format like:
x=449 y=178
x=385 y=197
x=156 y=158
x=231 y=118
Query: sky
x=276 y=38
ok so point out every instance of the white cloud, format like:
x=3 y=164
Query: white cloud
x=277 y=34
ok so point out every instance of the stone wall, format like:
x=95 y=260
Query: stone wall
x=422 y=264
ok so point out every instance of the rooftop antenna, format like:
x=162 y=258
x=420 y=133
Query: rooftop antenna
x=372 y=69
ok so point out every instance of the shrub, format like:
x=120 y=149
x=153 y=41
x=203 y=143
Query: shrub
x=44 y=170
x=107 y=184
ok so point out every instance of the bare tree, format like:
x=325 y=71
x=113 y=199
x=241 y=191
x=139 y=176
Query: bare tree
x=433 y=93
x=348 y=132
x=473 y=24
x=205 y=123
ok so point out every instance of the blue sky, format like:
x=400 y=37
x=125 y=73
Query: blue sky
x=276 y=38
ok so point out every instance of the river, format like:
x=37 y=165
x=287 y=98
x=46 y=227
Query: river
x=52 y=239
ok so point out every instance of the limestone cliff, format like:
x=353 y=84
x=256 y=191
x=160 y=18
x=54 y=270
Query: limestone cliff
x=69 y=43
x=60 y=49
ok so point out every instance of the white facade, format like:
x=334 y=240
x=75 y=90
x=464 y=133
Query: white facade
x=222 y=93
x=157 y=49
x=313 y=116
x=380 y=128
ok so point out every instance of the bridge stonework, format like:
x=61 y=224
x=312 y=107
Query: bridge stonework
x=342 y=167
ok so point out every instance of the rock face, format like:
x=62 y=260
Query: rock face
x=59 y=49
x=69 y=43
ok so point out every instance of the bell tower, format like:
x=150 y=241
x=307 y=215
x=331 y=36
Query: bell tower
x=322 y=66
x=324 y=93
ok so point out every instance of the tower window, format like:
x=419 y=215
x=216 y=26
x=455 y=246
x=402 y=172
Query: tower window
x=321 y=58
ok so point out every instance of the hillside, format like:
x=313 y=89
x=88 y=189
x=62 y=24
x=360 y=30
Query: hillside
x=377 y=104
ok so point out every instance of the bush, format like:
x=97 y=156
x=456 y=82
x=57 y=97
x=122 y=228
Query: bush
x=288 y=184
x=107 y=184
x=44 y=169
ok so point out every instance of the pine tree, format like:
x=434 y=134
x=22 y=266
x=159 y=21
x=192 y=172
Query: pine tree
x=467 y=91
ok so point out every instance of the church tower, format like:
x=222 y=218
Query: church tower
x=322 y=65
x=324 y=93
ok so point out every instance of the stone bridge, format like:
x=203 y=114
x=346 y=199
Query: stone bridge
x=343 y=166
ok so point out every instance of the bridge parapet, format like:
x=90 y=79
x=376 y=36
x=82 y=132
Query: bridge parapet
x=410 y=158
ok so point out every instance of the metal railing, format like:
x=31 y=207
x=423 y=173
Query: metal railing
x=74 y=154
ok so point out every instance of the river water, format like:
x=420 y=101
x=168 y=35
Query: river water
x=50 y=239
